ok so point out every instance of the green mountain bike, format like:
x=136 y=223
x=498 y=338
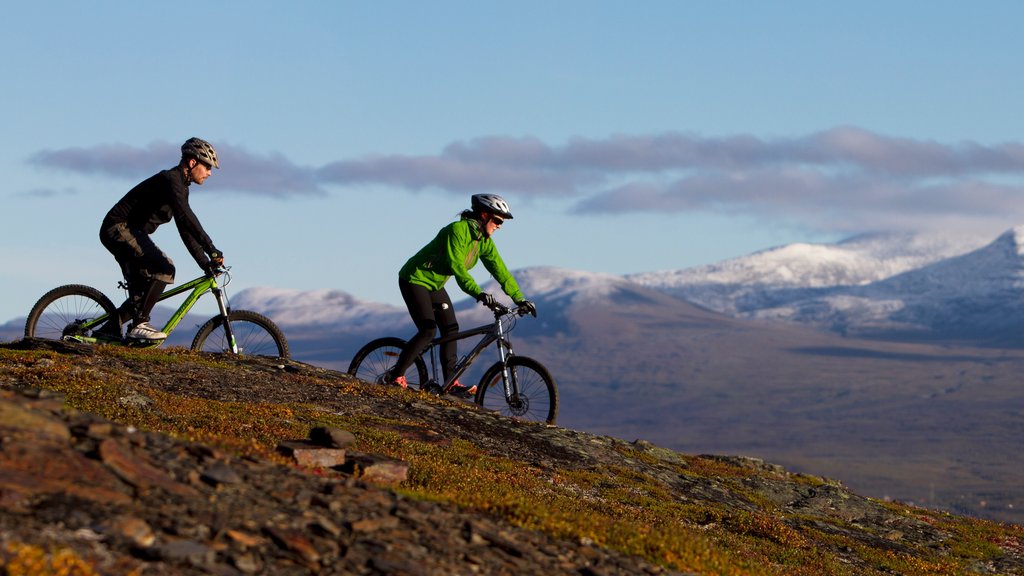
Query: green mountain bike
x=514 y=386
x=74 y=313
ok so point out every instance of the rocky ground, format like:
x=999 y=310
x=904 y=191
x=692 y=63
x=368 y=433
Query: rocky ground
x=127 y=501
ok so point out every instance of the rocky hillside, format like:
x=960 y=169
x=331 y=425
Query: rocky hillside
x=117 y=461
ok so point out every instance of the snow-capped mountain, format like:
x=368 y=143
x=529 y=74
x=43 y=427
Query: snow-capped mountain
x=322 y=307
x=894 y=285
x=568 y=285
x=975 y=296
x=742 y=286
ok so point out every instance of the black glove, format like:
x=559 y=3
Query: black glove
x=215 y=263
x=213 y=267
x=527 y=307
x=486 y=299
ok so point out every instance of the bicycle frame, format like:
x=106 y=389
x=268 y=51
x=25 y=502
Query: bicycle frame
x=491 y=333
x=527 y=389
x=199 y=286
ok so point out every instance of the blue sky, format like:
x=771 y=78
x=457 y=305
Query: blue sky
x=627 y=136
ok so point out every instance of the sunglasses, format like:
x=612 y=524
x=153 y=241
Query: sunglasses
x=498 y=221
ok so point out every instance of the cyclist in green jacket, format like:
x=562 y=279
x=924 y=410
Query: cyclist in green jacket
x=453 y=252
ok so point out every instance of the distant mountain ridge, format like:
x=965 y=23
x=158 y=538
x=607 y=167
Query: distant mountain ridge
x=899 y=286
x=895 y=286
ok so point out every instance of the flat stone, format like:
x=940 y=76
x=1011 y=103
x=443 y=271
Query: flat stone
x=295 y=542
x=331 y=437
x=183 y=551
x=377 y=469
x=48 y=468
x=310 y=455
x=133 y=529
x=138 y=472
x=23 y=421
x=374 y=524
x=244 y=538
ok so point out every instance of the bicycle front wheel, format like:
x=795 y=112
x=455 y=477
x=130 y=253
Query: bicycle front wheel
x=255 y=335
x=532 y=396
x=373 y=361
x=67 y=311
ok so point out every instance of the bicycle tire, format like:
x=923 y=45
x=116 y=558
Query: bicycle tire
x=373 y=360
x=255 y=335
x=538 y=393
x=58 y=313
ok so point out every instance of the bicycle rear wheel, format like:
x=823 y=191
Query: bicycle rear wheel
x=255 y=335
x=537 y=396
x=374 y=360
x=63 y=311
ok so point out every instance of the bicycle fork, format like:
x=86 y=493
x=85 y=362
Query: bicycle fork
x=508 y=375
x=222 y=306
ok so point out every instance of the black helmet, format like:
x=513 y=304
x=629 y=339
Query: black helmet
x=200 y=150
x=491 y=203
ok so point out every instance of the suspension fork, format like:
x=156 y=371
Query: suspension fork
x=508 y=380
x=222 y=306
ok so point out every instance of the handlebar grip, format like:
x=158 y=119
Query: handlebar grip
x=499 y=308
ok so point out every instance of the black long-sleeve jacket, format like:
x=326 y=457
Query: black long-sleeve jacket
x=155 y=201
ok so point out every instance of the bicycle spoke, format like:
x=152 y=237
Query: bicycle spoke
x=373 y=361
x=536 y=399
x=255 y=335
x=251 y=340
x=375 y=364
x=60 y=312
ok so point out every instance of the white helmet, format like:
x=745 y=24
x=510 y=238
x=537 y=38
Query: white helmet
x=491 y=203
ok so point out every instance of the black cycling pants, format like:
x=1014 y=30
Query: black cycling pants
x=430 y=311
x=144 y=266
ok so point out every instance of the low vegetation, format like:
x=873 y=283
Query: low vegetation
x=617 y=506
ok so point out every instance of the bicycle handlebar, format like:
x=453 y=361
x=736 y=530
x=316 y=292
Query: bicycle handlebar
x=218 y=271
x=500 y=309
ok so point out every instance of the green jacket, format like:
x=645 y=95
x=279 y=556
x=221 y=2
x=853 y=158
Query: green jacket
x=455 y=250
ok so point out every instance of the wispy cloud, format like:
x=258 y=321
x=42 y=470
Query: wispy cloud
x=47 y=192
x=243 y=171
x=118 y=160
x=843 y=179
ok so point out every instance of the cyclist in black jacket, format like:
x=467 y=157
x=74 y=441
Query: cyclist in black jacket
x=127 y=226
